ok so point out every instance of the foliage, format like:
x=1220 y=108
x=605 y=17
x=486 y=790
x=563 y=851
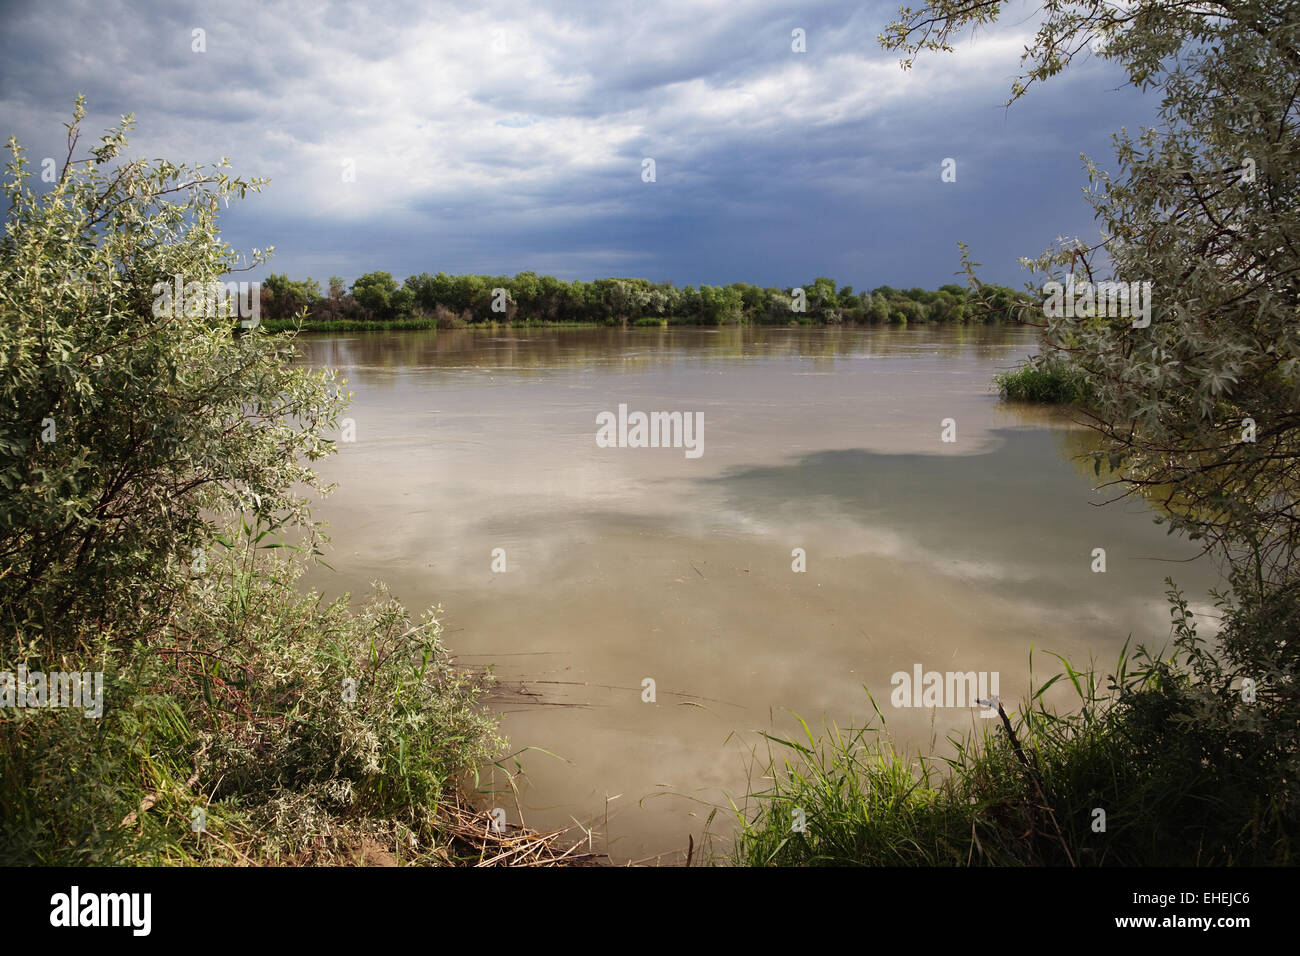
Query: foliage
x=467 y=300
x=237 y=704
x=283 y=298
x=1187 y=772
x=1200 y=410
x=1049 y=380
x=131 y=434
x=123 y=434
x=375 y=293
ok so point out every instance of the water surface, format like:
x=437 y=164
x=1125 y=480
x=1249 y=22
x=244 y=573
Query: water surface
x=630 y=563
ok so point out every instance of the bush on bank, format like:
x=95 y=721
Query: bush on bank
x=133 y=432
x=294 y=730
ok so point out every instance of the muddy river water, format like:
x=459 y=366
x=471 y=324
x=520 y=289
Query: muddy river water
x=818 y=537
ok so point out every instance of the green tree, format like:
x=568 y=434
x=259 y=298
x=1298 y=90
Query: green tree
x=288 y=298
x=465 y=293
x=526 y=289
x=720 y=304
x=420 y=289
x=374 y=292
x=550 y=295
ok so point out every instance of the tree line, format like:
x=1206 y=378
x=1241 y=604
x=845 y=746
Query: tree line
x=455 y=301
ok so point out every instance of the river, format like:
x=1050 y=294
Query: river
x=622 y=564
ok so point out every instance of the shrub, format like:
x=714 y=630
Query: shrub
x=124 y=432
x=129 y=435
x=447 y=319
x=239 y=706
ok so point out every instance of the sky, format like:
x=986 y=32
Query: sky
x=500 y=137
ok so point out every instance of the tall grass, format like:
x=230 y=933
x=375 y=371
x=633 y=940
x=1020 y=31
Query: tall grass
x=1049 y=380
x=1185 y=771
x=347 y=325
x=298 y=730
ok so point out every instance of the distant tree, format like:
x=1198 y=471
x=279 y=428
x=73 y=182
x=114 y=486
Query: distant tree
x=467 y=292
x=879 y=310
x=374 y=293
x=943 y=307
x=402 y=302
x=721 y=304
x=672 y=300
x=526 y=289
x=550 y=295
x=420 y=288
x=692 y=303
x=287 y=298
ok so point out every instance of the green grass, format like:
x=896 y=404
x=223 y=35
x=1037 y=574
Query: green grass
x=1041 y=380
x=346 y=325
x=237 y=706
x=1186 y=772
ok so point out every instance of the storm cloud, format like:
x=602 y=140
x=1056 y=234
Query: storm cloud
x=497 y=137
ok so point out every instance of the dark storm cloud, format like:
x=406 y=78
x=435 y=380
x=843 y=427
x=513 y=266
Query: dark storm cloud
x=495 y=138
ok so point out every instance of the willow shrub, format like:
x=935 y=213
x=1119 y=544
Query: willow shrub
x=130 y=436
x=125 y=435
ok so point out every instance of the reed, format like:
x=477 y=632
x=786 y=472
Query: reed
x=1050 y=381
x=1184 y=770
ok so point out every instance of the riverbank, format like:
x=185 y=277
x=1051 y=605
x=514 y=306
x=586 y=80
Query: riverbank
x=257 y=724
x=1175 y=757
x=453 y=301
x=323 y=326
x=1153 y=766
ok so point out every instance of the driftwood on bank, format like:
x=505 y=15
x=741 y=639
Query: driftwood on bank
x=476 y=834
